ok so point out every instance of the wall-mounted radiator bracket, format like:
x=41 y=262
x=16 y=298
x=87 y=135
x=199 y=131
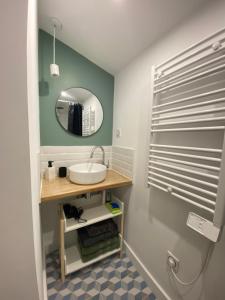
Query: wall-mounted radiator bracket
x=203 y=226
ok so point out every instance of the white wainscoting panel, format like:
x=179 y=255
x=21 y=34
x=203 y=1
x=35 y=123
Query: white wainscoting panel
x=123 y=160
x=65 y=156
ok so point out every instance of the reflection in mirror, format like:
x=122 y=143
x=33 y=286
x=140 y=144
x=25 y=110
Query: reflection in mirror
x=79 y=111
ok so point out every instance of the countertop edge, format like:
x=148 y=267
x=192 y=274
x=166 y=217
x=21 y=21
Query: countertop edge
x=59 y=196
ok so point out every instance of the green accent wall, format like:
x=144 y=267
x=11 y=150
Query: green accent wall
x=75 y=71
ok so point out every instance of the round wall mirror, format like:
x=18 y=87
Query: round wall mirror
x=79 y=111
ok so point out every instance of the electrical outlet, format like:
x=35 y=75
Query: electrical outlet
x=118 y=132
x=176 y=261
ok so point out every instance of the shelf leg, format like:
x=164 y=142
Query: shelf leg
x=103 y=197
x=62 y=244
x=121 y=234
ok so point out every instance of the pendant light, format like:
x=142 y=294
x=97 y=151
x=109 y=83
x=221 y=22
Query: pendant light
x=54 y=68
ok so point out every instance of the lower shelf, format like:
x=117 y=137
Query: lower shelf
x=74 y=262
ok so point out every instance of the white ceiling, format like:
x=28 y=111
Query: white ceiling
x=111 y=33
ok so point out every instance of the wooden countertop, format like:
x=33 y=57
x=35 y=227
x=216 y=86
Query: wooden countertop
x=63 y=187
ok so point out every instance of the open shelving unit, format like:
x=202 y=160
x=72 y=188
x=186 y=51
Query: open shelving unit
x=92 y=215
x=70 y=259
x=74 y=263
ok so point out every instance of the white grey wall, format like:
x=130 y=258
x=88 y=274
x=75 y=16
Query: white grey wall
x=34 y=139
x=18 y=241
x=155 y=221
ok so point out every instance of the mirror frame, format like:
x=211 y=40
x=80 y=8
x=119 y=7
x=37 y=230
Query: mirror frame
x=68 y=132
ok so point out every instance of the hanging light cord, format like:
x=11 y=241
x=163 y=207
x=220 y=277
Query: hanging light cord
x=54 y=45
x=201 y=271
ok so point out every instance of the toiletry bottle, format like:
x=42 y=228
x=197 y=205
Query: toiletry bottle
x=50 y=173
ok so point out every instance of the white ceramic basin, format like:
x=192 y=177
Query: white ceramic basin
x=87 y=173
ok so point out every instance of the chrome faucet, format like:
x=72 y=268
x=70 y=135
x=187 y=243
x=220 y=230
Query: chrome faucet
x=103 y=154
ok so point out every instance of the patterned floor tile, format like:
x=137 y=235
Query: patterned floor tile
x=65 y=292
x=80 y=294
x=127 y=283
x=93 y=294
x=116 y=262
x=88 y=283
x=52 y=291
x=110 y=279
x=101 y=284
x=126 y=262
x=106 y=294
x=135 y=294
x=114 y=283
x=75 y=284
x=132 y=272
x=139 y=283
x=97 y=273
x=109 y=272
x=121 y=294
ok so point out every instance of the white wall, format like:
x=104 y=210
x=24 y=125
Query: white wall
x=155 y=221
x=34 y=138
x=18 y=191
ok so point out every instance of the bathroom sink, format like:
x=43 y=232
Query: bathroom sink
x=87 y=173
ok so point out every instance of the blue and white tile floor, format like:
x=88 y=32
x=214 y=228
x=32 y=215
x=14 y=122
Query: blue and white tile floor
x=109 y=279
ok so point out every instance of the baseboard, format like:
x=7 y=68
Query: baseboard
x=45 y=294
x=148 y=277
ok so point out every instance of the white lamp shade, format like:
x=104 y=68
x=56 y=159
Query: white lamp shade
x=54 y=70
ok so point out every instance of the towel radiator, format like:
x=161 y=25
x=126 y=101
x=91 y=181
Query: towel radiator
x=187 y=145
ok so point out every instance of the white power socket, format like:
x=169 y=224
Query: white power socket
x=118 y=132
x=173 y=261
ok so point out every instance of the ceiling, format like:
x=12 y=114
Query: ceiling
x=111 y=33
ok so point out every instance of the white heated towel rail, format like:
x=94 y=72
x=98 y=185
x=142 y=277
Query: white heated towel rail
x=187 y=148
